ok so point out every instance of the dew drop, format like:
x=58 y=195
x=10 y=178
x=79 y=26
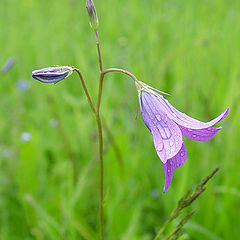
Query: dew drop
x=158 y=117
x=168 y=171
x=160 y=147
x=182 y=154
x=168 y=133
x=190 y=130
x=194 y=135
x=165 y=118
x=171 y=143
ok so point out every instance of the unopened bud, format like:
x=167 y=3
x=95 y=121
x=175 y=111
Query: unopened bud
x=52 y=74
x=92 y=14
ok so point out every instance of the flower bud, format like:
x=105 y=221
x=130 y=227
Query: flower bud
x=52 y=74
x=92 y=14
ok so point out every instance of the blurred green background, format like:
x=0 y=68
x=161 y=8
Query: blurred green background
x=187 y=48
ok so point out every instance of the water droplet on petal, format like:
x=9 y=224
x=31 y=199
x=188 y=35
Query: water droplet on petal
x=160 y=147
x=165 y=118
x=182 y=154
x=168 y=171
x=171 y=143
x=189 y=129
x=194 y=135
x=168 y=133
x=158 y=117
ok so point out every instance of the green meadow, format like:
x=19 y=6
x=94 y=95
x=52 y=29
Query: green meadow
x=49 y=167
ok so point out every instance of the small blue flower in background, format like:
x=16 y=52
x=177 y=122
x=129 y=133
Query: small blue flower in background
x=7 y=153
x=53 y=122
x=22 y=85
x=167 y=126
x=26 y=136
x=8 y=65
x=154 y=194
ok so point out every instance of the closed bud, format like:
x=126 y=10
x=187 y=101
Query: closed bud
x=92 y=14
x=52 y=74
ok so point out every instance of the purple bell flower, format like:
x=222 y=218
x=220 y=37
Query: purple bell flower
x=52 y=74
x=167 y=126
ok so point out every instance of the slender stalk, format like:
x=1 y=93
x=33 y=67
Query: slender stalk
x=100 y=92
x=120 y=71
x=102 y=73
x=85 y=89
x=99 y=52
x=99 y=123
x=100 y=135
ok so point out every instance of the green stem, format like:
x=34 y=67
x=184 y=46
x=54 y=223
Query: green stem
x=100 y=136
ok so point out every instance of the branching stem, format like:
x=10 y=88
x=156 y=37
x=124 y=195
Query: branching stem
x=96 y=112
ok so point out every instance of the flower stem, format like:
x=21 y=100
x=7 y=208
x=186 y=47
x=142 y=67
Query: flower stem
x=99 y=124
x=120 y=71
x=85 y=89
x=100 y=136
x=99 y=52
x=101 y=174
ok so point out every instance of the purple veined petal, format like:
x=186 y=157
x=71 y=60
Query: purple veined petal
x=181 y=118
x=167 y=136
x=172 y=164
x=204 y=134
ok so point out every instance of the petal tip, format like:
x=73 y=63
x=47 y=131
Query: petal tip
x=164 y=190
x=226 y=112
x=164 y=160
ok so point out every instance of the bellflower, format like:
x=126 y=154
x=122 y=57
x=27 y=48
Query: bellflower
x=52 y=74
x=167 y=126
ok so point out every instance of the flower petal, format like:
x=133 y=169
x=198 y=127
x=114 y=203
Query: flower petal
x=204 y=134
x=181 y=118
x=172 y=164
x=167 y=136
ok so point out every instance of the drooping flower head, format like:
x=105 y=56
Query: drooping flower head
x=52 y=74
x=167 y=126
